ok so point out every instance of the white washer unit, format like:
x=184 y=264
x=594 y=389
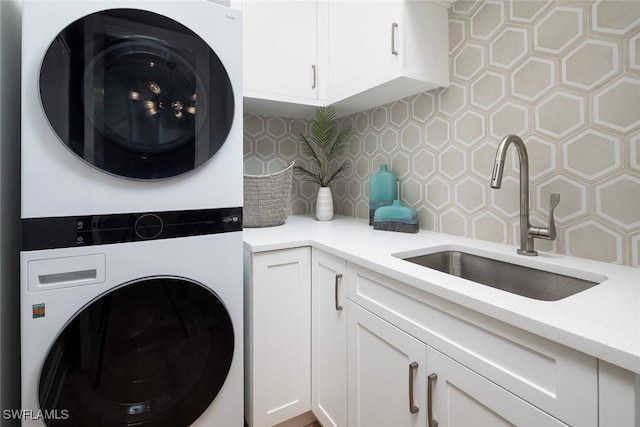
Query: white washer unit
x=131 y=258
x=132 y=334
x=130 y=106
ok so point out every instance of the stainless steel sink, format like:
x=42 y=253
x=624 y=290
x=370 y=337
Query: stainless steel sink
x=517 y=279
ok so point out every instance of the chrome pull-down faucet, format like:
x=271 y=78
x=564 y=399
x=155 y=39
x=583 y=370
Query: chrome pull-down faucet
x=527 y=231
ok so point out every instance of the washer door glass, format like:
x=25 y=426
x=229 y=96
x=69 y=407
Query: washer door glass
x=136 y=94
x=155 y=352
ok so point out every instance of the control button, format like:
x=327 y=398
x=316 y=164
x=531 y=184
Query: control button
x=227 y=219
x=148 y=226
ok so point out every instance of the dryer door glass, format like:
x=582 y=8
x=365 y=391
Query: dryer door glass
x=152 y=353
x=136 y=94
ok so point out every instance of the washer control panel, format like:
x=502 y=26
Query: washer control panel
x=66 y=232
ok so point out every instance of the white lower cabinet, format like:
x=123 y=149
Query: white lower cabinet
x=386 y=371
x=329 y=339
x=360 y=349
x=277 y=335
x=556 y=379
x=397 y=380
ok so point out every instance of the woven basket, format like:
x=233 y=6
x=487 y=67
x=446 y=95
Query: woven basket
x=266 y=198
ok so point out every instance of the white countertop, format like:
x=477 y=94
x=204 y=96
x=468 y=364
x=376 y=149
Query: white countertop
x=603 y=321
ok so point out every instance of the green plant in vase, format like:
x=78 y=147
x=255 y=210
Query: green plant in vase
x=325 y=146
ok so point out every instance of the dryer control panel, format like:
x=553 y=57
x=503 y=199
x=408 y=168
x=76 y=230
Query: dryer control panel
x=87 y=230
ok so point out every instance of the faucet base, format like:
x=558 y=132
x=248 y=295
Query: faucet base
x=527 y=253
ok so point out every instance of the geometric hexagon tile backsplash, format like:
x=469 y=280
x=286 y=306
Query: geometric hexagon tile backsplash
x=564 y=76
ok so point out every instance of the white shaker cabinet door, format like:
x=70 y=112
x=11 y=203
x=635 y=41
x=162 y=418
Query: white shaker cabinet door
x=381 y=51
x=329 y=339
x=278 y=374
x=364 y=43
x=459 y=397
x=386 y=371
x=280 y=49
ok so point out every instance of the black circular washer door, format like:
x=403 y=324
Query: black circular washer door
x=136 y=94
x=153 y=353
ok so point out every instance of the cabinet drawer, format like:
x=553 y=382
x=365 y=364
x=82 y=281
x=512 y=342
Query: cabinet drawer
x=559 y=380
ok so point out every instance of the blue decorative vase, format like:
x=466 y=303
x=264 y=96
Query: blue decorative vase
x=383 y=190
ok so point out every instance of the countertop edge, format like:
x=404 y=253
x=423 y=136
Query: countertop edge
x=578 y=328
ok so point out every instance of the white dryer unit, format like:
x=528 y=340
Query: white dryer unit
x=131 y=257
x=139 y=333
x=130 y=106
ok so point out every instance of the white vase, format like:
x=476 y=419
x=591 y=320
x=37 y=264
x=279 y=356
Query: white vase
x=324 y=204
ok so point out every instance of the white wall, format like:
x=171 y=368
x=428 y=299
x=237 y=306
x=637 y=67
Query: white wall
x=10 y=29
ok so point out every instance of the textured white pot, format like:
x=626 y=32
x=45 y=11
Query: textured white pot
x=324 y=204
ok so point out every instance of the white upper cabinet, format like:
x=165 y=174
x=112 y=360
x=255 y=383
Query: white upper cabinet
x=353 y=54
x=363 y=51
x=281 y=52
x=381 y=51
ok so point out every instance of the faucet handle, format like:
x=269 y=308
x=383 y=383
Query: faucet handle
x=554 y=199
x=549 y=232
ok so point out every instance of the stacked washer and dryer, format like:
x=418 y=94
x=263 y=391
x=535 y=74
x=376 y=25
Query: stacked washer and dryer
x=131 y=258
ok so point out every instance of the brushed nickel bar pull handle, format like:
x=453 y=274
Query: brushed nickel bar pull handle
x=394 y=30
x=338 y=278
x=412 y=369
x=430 y=383
x=313 y=68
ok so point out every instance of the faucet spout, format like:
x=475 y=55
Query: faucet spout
x=496 y=178
x=501 y=156
x=527 y=232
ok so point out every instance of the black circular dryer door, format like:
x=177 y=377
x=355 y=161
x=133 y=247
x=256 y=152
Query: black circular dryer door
x=136 y=94
x=155 y=352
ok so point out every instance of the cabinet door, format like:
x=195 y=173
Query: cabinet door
x=619 y=396
x=280 y=48
x=386 y=373
x=382 y=51
x=460 y=398
x=363 y=36
x=329 y=339
x=280 y=337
